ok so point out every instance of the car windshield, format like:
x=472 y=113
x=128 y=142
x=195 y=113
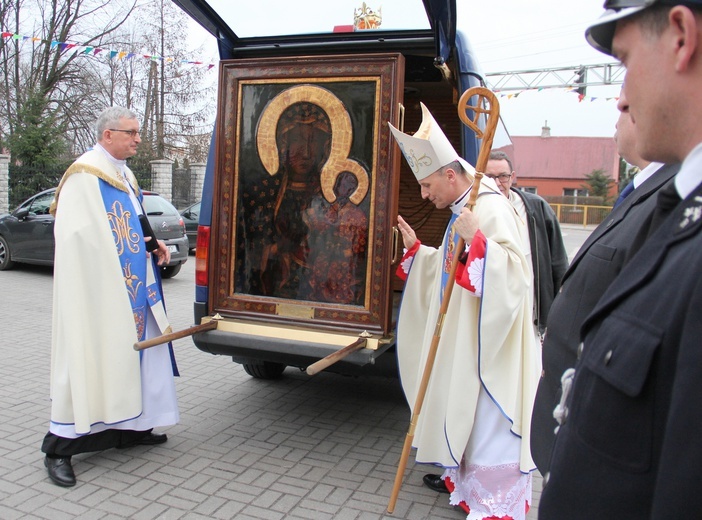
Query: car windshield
x=250 y=19
x=157 y=205
x=194 y=211
x=40 y=204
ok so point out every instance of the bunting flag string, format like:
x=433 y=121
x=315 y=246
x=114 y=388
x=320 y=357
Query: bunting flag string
x=581 y=97
x=119 y=55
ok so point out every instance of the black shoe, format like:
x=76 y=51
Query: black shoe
x=150 y=439
x=60 y=471
x=435 y=483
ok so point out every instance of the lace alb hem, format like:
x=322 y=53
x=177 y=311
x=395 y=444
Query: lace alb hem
x=491 y=491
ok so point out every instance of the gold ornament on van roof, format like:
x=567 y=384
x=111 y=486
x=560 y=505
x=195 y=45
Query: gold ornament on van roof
x=366 y=18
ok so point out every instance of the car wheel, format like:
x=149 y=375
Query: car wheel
x=5 y=257
x=170 y=271
x=265 y=370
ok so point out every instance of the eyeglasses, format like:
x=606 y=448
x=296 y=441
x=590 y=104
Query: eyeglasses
x=132 y=133
x=503 y=177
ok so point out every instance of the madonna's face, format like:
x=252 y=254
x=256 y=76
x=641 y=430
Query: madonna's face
x=305 y=149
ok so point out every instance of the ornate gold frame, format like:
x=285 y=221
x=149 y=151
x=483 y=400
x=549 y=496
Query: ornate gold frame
x=358 y=95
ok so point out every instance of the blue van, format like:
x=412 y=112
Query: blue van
x=297 y=247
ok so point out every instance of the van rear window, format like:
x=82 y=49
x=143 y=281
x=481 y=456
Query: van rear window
x=252 y=19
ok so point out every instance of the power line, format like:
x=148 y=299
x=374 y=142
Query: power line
x=532 y=37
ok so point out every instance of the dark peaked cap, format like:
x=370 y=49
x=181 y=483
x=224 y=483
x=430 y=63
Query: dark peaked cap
x=601 y=32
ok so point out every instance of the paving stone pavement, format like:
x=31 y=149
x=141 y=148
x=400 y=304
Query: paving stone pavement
x=322 y=447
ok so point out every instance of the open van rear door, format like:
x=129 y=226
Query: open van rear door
x=301 y=253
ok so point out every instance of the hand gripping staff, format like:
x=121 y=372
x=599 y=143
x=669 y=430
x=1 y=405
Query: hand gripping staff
x=488 y=105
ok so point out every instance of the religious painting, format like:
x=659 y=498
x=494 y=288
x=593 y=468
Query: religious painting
x=305 y=170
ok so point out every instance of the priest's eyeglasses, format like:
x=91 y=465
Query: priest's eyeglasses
x=132 y=133
x=503 y=177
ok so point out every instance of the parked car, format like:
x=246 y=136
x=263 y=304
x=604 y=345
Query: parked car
x=191 y=217
x=27 y=233
x=169 y=227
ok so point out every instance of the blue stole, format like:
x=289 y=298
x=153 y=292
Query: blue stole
x=449 y=245
x=131 y=248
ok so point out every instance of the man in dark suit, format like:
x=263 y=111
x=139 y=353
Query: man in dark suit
x=628 y=444
x=598 y=261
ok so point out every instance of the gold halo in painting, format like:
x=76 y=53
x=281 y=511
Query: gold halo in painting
x=342 y=135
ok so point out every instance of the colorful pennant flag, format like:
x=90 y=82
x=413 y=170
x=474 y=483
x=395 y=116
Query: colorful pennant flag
x=88 y=49
x=581 y=97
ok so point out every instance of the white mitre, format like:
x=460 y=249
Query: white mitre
x=428 y=149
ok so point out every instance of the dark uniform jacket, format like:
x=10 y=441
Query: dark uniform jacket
x=630 y=447
x=548 y=254
x=594 y=267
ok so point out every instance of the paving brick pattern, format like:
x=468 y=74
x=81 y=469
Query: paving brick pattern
x=322 y=447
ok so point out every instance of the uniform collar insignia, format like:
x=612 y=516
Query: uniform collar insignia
x=692 y=213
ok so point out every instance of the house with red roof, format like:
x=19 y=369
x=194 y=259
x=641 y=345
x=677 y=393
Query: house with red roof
x=558 y=166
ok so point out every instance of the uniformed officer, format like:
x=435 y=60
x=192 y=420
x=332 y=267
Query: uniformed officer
x=627 y=446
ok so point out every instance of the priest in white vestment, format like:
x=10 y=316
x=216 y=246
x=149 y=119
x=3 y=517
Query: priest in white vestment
x=475 y=418
x=107 y=296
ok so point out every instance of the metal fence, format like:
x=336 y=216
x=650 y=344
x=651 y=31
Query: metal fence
x=181 y=196
x=25 y=181
x=581 y=214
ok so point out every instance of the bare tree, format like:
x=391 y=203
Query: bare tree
x=9 y=21
x=56 y=89
x=48 y=75
x=174 y=99
x=177 y=101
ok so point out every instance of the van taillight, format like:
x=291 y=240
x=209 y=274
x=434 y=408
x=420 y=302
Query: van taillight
x=202 y=249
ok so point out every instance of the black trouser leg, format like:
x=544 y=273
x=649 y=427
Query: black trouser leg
x=55 y=446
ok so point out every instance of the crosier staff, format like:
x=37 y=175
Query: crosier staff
x=487 y=105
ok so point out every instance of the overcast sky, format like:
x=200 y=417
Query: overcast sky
x=513 y=35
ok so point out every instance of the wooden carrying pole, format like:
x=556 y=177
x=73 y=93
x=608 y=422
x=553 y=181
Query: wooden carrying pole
x=488 y=105
x=332 y=358
x=147 y=343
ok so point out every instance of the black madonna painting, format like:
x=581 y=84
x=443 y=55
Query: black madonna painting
x=311 y=189
x=304 y=221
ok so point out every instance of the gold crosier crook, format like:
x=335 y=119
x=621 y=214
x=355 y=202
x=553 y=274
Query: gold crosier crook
x=488 y=106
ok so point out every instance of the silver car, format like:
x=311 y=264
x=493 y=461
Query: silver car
x=168 y=226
